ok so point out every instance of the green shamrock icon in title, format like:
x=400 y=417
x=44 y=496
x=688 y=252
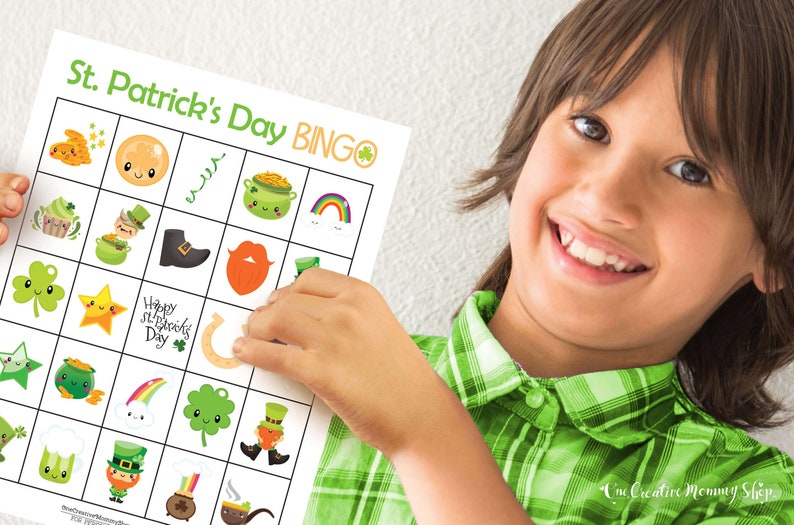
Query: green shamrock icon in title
x=365 y=154
x=39 y=286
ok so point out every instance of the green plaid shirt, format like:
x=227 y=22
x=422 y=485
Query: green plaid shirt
x=622 y=446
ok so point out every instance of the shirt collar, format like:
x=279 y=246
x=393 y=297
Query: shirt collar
x=617 y=407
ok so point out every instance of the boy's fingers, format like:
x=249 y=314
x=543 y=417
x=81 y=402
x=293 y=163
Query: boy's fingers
x=15 y=181
x=285 y=360
x=12 y=186
x=20 y=184
x=11 y=202
x=3 y=233
x=289 y=300
x=291 y=321
x=322 y=283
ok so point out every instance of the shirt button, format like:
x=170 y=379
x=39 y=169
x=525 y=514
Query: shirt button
x=535 y=399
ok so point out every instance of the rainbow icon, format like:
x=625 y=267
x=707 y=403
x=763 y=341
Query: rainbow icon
x=189 y=483
x=333 y=200
x=313 y=218
x=135 y=412
x=145 y=392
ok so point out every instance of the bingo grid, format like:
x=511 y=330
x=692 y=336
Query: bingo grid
x=175 y=322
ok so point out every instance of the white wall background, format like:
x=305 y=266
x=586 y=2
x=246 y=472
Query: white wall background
x=448 y=69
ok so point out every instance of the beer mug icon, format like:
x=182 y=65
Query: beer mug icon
x=59 y=459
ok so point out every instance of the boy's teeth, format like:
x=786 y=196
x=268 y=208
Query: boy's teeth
x=593 y=256
x=578 y=249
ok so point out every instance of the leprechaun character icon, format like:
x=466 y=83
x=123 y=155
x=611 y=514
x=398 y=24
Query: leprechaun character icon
x=129 y=222
x=124 y=469
x=269 y=433
x=112 y=248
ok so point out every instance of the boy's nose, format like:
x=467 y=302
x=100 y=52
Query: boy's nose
x=611 y=195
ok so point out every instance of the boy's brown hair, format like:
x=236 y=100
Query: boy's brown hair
x=735 y=58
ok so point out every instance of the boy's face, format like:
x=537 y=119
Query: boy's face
x=603 y=192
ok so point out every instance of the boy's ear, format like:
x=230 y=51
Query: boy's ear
x=775 y=284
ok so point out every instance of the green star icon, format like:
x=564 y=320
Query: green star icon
x=17 y=366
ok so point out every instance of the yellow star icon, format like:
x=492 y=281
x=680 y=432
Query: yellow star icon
x=100 y=309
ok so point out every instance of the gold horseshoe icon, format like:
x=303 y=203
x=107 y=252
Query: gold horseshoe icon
x=209 y=352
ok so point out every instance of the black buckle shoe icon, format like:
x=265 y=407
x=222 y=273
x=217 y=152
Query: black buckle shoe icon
x=180 y=253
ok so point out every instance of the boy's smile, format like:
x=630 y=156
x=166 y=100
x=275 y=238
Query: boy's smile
x=590 y=258
x=623 y=242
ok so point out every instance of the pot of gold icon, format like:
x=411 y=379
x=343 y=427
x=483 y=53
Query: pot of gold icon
x=180 y=504
x=111 y=250
x=268 y=195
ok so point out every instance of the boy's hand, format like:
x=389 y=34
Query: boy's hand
x=12 y=187
x=345 y=344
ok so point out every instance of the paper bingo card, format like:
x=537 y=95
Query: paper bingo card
x=166 y=204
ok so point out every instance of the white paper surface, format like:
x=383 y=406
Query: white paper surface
x=207 y=245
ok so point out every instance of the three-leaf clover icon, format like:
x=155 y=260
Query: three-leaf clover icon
x=38 y=286
x=365 y=154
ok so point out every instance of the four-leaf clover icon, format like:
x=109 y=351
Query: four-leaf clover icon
x=208 y=410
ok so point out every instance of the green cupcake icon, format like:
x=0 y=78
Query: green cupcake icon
x=58 y=219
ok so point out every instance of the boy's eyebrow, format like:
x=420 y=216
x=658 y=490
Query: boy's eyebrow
x=590 y=96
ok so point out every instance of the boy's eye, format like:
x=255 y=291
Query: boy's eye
x=689 y=172
x=591 y=128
